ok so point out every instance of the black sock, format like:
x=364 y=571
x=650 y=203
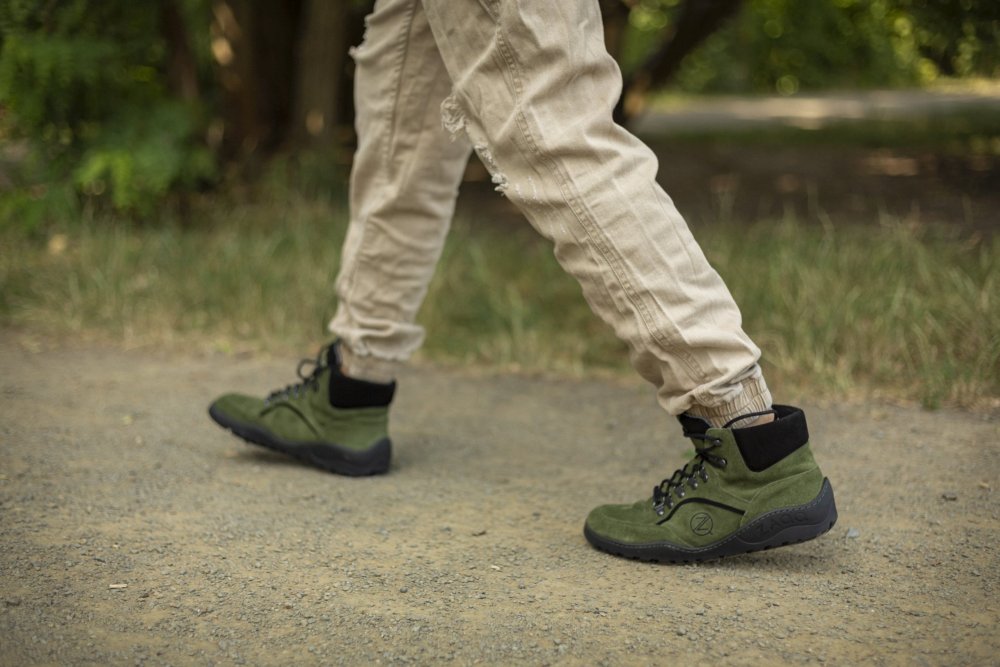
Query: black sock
x=347 y=392
x=764 y=445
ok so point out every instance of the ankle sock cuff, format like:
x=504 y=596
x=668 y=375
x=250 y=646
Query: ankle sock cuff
x=764 y=445
x=348 y=392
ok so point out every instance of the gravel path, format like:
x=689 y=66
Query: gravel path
x=135 y=531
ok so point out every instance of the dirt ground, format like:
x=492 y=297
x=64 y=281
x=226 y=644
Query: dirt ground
x=135 y=531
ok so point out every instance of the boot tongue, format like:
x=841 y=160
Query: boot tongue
x=692 y=424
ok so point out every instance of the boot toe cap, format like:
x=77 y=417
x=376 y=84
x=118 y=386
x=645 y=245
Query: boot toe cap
x=236 y=407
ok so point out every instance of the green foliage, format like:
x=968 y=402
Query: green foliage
x=787 y=45
x=88 y=115
x=138 y=159
x=960 y=37
x=84 y=82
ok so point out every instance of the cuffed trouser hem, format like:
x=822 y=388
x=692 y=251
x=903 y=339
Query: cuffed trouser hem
x=368 y=368
x=753 y=397
x=531 y=88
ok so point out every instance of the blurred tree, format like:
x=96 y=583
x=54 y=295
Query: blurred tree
x=182 y=67
x=786 y=45
x=960 y=37
x=284 y=70
x=322 y=53
x=106 y=112
x=116 y=99
x=689 y=25
x=122 y=102
x=253 y=44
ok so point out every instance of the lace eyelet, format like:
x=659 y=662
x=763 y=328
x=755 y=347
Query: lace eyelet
x=680 y=493
x=723 y=462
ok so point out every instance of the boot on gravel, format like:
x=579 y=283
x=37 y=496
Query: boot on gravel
x=746 y=489
x=328 y=420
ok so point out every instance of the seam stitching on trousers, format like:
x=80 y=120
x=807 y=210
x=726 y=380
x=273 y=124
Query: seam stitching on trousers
x=390 y=118
x=583 y=217
x=403 y=51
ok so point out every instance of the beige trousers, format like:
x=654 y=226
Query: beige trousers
x=528 y=85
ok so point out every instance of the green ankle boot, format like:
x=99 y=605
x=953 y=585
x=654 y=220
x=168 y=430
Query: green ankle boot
x=348 y=436
x=746 y=489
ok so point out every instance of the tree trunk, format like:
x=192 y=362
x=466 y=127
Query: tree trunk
x=182 y=69
x=253 y=43
x=697 y=20
x=615 y=16
x=322 y=50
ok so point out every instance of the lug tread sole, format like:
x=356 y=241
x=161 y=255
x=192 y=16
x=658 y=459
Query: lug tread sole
x=820 y=515
x=324 y=455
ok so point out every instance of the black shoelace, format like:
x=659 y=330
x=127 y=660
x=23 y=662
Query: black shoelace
x=692 y=474
x=310 y=381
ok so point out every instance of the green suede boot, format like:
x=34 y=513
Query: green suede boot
x=746 y=489
x=328 y=420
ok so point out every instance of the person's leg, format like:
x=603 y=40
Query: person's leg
x=404 y=181
x=403 y=186
x=534 y=89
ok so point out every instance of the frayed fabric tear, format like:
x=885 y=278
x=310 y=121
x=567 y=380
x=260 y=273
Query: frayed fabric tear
x=499 y=178
x=452 y=116
x=454 y=121
x=355 y=50
x=501 y=183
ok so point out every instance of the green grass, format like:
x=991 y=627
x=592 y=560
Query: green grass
x=885 y=310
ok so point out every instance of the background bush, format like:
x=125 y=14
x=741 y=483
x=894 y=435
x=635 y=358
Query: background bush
x=783 y=46
x=84 y=85
x=120 y=104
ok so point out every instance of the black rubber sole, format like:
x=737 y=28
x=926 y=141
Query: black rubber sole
x=779 y=528
x=324 y=455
